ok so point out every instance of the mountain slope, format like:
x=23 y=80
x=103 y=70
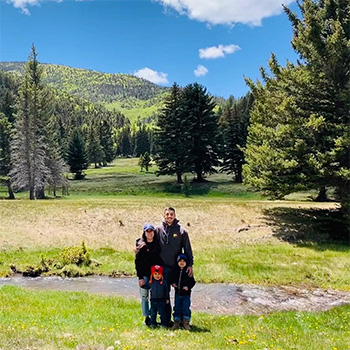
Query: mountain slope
x=134 y=96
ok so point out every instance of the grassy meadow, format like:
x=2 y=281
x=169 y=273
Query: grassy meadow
x=237 y=236
x=70 y=320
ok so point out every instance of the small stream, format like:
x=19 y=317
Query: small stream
x=215 y=298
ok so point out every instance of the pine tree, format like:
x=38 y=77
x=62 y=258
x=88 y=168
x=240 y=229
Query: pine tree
x=142 y=142
x=300 y=137
x=5 y=139
x=106 y=141
x=29 y=147
x=94 y=148
x=322 y=39
x=234 y=122
x=172 y=140
x=146 y=161
x=200 y=127
x=77 y=157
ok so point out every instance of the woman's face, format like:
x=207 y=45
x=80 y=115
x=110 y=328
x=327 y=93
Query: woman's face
x=149 y=235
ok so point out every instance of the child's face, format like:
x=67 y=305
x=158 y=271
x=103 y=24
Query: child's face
x=157 y=276
x=182 y=263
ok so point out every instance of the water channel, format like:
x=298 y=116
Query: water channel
x=218 y=298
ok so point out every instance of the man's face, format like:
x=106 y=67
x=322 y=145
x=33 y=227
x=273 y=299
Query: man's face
x=169 y=216
x=157 y=276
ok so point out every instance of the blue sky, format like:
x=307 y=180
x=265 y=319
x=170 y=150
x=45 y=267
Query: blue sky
x=213 y=42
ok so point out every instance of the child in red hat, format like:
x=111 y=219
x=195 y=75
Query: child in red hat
x=159 y=295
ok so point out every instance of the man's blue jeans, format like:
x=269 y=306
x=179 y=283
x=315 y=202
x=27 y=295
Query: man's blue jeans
x=182 y=307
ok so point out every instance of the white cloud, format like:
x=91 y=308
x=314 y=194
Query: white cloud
x=227 y=11
x=218 y=51
x=23 y=4
x=152 y=75
x=200 y=71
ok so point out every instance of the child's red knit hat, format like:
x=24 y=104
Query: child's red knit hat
x=159 y=269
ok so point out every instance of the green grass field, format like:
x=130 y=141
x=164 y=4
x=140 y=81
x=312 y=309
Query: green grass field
x=237 y=236
x=70 y=320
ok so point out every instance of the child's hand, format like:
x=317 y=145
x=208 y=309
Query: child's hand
x=185 y=288
x=174 y=285
x=167 y=301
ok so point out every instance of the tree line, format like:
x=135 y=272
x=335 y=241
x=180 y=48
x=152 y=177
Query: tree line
x=291 y=132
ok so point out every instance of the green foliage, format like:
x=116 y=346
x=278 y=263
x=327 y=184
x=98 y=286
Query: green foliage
x=299 y=138
x=78 y=255
x=172 y=143
x=187 y=133
x=233 y=124
x=186 y=187
x=77 y=157
x=145 y=161
x=115 y=91
x=34 y=159
x=202 y=129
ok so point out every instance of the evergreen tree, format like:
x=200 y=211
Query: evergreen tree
x=234 y=122
x=77 y=157
x=142 y=142
x=106 y=141
x=299 y=137
x=146 y=161
x=8 y=91
x=124 y=141
x=172 y=138
x=5 y=139
x=29 y=147
x=94 y=148
x=200 y=127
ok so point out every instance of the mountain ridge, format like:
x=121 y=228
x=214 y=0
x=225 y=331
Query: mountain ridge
x=135 y=97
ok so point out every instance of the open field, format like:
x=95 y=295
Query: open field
x=236 y=236
x=70 y=320
x=233 y=241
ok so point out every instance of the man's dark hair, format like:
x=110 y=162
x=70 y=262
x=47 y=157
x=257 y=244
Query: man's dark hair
x=169 y=208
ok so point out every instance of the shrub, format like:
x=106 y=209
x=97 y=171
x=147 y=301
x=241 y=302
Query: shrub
x=78 y=255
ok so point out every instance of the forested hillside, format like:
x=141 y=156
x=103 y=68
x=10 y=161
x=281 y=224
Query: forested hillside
x=127 y=93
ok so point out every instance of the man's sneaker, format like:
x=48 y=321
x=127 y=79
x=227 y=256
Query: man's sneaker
x=176 y=326
x=186 y=324
x=147 y=321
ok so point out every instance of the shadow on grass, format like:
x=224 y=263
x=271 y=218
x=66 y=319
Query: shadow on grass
x=316 y=228
x=196 y=329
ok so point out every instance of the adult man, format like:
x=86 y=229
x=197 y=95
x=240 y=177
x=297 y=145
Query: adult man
x=174 y=240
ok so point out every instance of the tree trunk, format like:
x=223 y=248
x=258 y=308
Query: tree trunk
x=31 y=194
x=179 y=177
x=238 y=176
x=200 y=177
x=40 y=193
x=10 y=191
x=322 y=194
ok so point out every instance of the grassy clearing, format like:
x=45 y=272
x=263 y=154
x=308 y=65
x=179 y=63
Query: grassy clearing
x=236 y=236
x=233 y=241
x=70 y=320
x=124 y=177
